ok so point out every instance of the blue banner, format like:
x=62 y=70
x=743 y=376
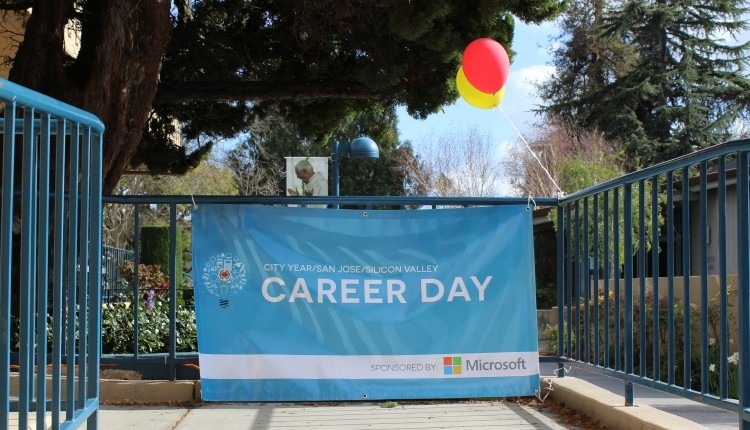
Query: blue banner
x=300 y=304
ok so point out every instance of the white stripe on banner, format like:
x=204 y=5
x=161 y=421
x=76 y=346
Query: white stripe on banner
x=269 y=366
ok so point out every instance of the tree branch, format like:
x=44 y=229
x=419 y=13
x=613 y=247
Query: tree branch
x=214 y=91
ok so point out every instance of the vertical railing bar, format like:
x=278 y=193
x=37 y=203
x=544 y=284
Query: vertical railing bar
x=6 y=256
x=743 y=286
x=33 y=374
x=578 y=277
x=58 y=269
x=28 y=206
x=136 y=280
x=642 y=273
x=686 y=332
x=561 y=271
x=83 y=278
x=70 y=358
x=173 y=290
x=656 y=338
x=628 y=281
x=569 y=280
x=723 y=293
x=670 y=280
x=596 y=264
x=587 y=284
x=703 y=247
x=607 y=267
x=616 y=277
x=95 y=272
x=43 y=266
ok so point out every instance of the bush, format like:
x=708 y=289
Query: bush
x=155 y=248
x=608 y=328
x=118 y=318
x=118 y=327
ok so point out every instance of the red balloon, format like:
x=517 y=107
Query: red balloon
x=486 y=65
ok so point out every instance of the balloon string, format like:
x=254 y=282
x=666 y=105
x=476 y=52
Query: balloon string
x=560 y=192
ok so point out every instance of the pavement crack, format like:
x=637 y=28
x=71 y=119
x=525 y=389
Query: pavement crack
x=179 y=420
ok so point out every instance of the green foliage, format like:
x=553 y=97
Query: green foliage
x=601 y=327
x=158 y=143
x=551 y=334
x=581 y=170
x=155 y=248
x=578 y=172
x=263 y=152
x=323 y=62
x=545 y=262
x=615 y=205
x=118 y=327
x=118 y=318
x=205 y=179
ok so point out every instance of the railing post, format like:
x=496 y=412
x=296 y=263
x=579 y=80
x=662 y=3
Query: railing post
x=723 y=306
x=686 y=331
x=703 y=245
x=42 y=254
x=6 y=234
x=27 y=275
x=655 y=277
x=560 y=289
x=173 y=290
x=628 y=278
x=743 y=286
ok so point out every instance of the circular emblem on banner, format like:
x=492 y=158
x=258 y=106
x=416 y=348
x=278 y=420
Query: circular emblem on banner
x=224 y=276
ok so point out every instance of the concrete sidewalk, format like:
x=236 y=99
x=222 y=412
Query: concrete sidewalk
x=600 y=397
x=257 y=416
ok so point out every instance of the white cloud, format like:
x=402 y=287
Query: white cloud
x=521 y=94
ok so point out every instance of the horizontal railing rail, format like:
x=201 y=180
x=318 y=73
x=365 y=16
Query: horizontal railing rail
x=346 y=201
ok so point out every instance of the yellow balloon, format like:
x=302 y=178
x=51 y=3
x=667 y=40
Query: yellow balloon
x=475 y=97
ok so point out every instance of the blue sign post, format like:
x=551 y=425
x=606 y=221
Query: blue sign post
x=314 y=304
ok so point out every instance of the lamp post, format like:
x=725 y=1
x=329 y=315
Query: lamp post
x=361 y=147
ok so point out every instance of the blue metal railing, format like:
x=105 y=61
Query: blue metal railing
x=50 y=260
x=647 y=268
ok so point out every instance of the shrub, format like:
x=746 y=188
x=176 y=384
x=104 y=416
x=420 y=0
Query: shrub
x=601 y=328
x=118 y=318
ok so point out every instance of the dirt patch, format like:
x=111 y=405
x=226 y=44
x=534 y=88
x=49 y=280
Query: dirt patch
x=567 y=417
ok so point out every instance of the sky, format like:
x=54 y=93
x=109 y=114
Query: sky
x=530 y=65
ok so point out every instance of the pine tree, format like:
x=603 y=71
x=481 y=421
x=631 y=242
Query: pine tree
x=679 y=88
x=585 y=61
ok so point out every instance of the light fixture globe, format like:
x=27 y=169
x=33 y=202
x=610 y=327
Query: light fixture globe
x=361 y=147
x=364 y=147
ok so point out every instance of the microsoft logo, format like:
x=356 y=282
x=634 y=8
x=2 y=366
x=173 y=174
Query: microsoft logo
x=452 y=365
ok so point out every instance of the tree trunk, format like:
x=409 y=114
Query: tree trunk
x=116 y=72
